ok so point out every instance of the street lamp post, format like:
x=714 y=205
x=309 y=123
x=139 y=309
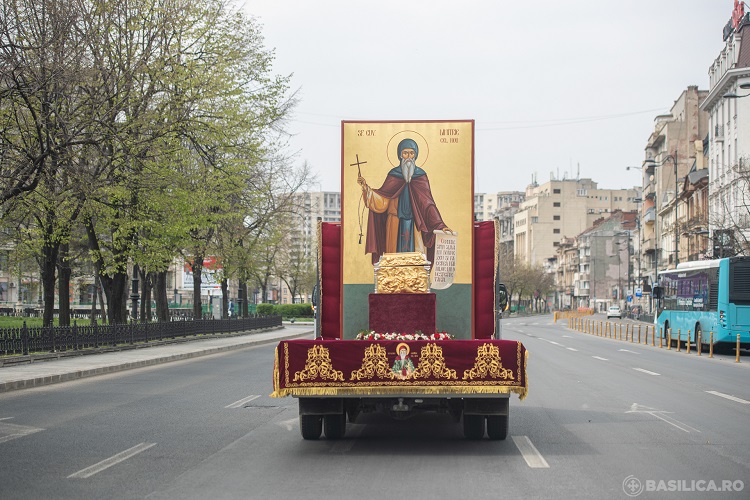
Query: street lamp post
x=673 y=159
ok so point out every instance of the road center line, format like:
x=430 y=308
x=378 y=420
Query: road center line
x=241 y=402
x=727 y=396
x=533 y=458
x=113 y=460
x=631 y=352
x=646 y=371
x=571 y=349
x=602 y=359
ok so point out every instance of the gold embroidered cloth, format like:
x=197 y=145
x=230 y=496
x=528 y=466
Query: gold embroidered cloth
x=359 y=367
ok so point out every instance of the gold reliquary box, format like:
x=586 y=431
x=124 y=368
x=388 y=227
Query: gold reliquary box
x=403 y=272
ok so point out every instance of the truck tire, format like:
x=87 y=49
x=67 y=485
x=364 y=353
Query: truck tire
x=497 y=427
x=311 y=426
x=473 y=426
x=335 y=425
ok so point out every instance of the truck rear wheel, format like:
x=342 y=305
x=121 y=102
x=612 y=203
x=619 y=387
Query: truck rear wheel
x=311 y=426
x=335 y=425
x=473 y=426
x=497 y=426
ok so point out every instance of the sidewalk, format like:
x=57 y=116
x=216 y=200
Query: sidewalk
x=39 y=373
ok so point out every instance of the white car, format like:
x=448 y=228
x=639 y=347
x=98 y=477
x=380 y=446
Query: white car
x=614 y=312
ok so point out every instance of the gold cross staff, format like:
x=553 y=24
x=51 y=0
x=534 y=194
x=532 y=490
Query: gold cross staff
x=359 y=172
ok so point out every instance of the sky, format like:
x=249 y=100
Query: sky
x=557 y=88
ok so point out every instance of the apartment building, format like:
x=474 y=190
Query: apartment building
x=562 y=208
x=729 y=139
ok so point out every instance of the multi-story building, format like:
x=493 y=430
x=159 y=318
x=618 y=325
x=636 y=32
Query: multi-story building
x=729 y=141
x=604 y=250
x=501 y=206
x=563 y=208
x=673 y=150
x=311 y=206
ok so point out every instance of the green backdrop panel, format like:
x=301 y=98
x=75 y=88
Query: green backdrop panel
x=453 y=310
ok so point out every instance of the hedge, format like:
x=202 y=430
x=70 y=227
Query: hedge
x=286 y=310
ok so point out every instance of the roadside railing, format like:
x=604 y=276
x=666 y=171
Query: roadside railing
x=25 y=340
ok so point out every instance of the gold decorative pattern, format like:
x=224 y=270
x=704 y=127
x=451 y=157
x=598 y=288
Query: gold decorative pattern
x=318 y=365
x=488 y=364
x=431 y=362
x=374 y=364
x=402 y=259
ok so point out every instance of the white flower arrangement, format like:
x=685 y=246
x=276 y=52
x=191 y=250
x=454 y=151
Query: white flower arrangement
x=372 y=335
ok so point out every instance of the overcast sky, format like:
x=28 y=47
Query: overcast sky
x=556 y=87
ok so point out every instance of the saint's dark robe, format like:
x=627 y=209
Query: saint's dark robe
x=400 y=212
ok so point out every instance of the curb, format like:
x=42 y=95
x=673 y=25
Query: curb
x=14 y=385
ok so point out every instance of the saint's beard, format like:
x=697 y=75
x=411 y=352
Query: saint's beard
x=407 y=168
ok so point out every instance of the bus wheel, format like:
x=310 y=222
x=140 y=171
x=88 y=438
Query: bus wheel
x=699 y=333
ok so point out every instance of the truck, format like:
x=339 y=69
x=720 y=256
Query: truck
x=416 y=334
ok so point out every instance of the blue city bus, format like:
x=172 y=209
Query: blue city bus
x=706 y=296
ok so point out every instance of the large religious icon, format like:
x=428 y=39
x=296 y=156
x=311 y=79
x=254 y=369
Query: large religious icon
x=408 y=187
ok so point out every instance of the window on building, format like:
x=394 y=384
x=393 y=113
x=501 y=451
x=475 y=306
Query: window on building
x=534 y=220
x=555 y=217
x=556 y=204
x=556 y=231
x=555 y=243
x=556 y=191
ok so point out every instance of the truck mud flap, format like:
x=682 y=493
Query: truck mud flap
x=486 y=406
x=321 y=406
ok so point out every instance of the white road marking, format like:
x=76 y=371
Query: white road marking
x=660 y=414
x=571 y=349
x=553 y=342
x=602 y=359
x=567 y=337
x=113 y=460
x=14 y=431
x=289 y=424
x=727 y=396
x=646 y=371
x=533 y=458
x=241 y=402
x=6 y=418
x=631 y=352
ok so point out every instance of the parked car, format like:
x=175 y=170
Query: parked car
x=614 y=312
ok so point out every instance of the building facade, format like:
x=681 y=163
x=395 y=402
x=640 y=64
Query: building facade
x=729 y=139
x=563 y=208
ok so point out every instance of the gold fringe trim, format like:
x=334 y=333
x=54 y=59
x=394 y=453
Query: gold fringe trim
x=276 y=374
x=385 y=391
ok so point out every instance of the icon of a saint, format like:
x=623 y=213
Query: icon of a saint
x=402 y=213
x=403 y=368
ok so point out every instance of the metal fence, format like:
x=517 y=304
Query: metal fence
x=27 y=340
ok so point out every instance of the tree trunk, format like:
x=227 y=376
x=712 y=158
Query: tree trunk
x=197 y=280
x=48 y=268
x=147 y=286
x=160 y=291
x=224 y=299
x=245 y=302
x=64 y=287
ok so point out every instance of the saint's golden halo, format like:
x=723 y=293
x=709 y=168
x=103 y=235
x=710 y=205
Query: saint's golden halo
x=392 y=148
x=405 y=345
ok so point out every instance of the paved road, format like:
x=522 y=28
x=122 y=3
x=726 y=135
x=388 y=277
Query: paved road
x=602 y=417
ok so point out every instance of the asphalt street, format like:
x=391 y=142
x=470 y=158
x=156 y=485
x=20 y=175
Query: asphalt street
x=604 y=419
